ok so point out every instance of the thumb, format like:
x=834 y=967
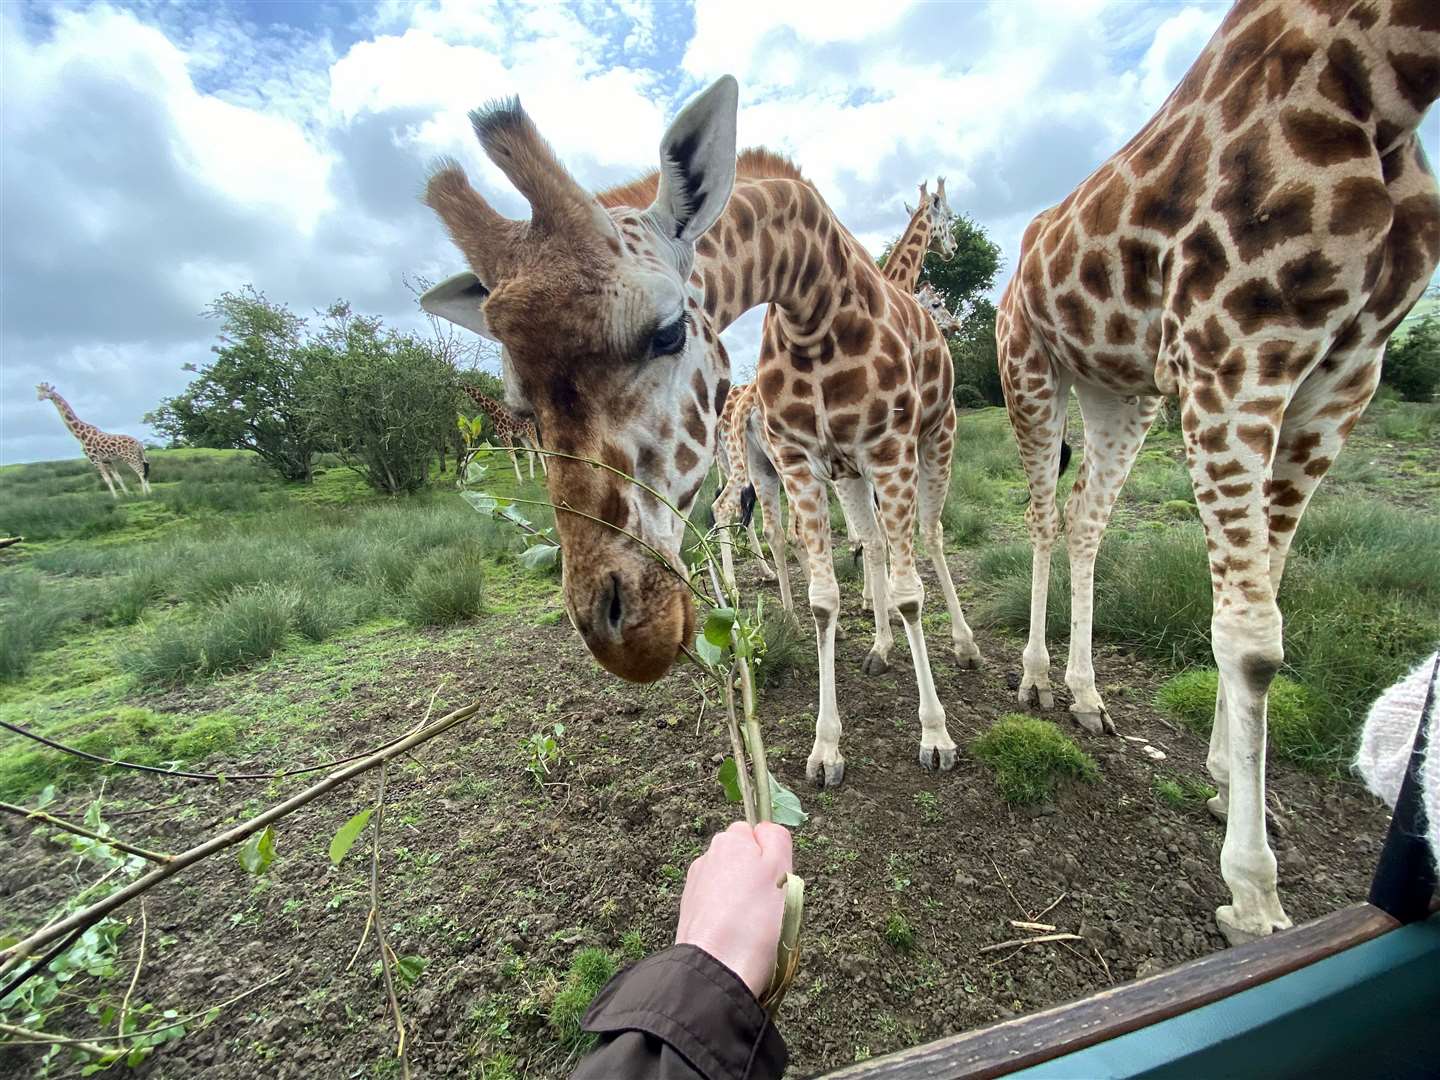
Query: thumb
x=775 y=847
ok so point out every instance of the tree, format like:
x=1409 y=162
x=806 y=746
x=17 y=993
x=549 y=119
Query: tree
x=972 y=350
x=966 y=278
x=248 y=397
x=384 y=400
x=1412 y=362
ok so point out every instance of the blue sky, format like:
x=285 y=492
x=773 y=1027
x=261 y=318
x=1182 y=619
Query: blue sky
x=159 y=153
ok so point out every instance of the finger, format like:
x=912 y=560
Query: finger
x=740 y=832
x=776 y=848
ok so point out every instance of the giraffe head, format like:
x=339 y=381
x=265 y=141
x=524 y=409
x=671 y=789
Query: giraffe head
x=604 y=343
x=939 y=216
x=930 y=299
x=44 y=391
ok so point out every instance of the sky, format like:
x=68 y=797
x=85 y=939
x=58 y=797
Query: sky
x=156 y=154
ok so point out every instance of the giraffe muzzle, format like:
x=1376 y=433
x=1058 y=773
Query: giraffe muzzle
x=634 y=615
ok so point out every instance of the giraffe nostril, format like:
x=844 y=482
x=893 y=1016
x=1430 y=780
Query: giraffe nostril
x=616 y=612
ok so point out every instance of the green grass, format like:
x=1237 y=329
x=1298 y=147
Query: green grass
x=1181 y=792
x=1029 y=756
x=447 y=587
x=898 y=933
x=788 y=645
x=124 y=733
x=590 y=970
x=48 y=517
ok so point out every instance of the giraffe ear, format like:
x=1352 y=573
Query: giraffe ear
x=697 y=163
x=460 y=299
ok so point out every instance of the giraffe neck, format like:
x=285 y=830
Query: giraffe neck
x=778 y=243
x=908 y=256
x=486 y=404
x=77 y=427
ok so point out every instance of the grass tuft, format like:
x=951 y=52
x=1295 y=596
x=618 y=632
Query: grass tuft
x=1181 y=792
x=898 y=933
x=448 y=587
x=590 y=970
x=1029 y=755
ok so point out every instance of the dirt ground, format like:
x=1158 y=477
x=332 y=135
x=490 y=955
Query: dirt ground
x=496 y=881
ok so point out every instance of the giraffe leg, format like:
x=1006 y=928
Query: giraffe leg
x=810 y=508
x=1229 y=468
x=515 y=461
x=935 y=459
x=105 y=475
x=119 y=478
x=767 y=492
x=1115 y=428
x=726 y=509
x=860 y=519
x=897 y=518
x=1039 y=435
x=139 y=470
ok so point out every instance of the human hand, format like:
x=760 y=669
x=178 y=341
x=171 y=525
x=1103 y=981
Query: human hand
x=733 y=903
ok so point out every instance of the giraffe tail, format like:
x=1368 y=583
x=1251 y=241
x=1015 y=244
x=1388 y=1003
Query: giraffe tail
x=747 y=504
x=145 y=467
x=1064 y=457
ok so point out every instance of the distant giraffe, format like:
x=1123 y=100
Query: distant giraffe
x=930 y=299
x=102 y=448
x=1249 y=251
x=510 y=430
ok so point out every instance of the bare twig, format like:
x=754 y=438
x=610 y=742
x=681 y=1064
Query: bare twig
x=1022 y=924
x=44 y=1038
x=1031 y=941
x=385 y=954
x=139 y=961
x=17 y=953
x=1021 y=907
x=183 y=774
x=80 y=830
x=21 y=1036
x=1051 y=906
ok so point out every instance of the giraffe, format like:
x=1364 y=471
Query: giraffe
x=1250 y=250
x=102 y=448
x=510 y=430
x=929 y=298
x=603 y=307
x=748 y=475
x=929 y=228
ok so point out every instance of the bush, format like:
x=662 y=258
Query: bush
x=1029 y=755
x=969 y=397
x=448 y=587
x=1412 y=363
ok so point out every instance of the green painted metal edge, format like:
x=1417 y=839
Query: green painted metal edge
x=1368 y=1011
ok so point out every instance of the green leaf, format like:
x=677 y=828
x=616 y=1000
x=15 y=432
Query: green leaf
x=259 y=851
x=344 y=839
x=709 y=654
x=785 y=805
x=540 y=557
x=480 y=500
x=410 y=968
x=46 y=797
x=729 y=777
x=717 y=626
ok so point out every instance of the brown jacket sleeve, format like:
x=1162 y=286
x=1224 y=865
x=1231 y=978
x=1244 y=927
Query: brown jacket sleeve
x=680 y=1015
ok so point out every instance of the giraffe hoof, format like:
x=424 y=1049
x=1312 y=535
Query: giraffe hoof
x=1037 y=696
x=969 y=659
x=929 y=755
x=1219 y=808
x=1096 y=723
x=766 y=573
x=875 y=664
x=825 y=774
x=1239 y=931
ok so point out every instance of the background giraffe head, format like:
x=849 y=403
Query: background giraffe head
x=604 y=342
x=930 y=299
x=44 y=391
x=941 y=218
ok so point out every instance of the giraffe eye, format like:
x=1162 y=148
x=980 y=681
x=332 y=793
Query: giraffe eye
x=668 y=340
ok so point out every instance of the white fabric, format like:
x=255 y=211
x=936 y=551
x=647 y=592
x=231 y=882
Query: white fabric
x=1387 y=740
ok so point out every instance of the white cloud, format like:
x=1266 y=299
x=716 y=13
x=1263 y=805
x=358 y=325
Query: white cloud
x=153 y=160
